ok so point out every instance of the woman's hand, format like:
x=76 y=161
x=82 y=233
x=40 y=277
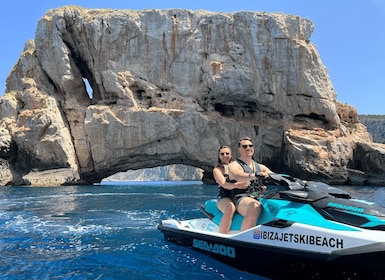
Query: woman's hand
x=242 y=185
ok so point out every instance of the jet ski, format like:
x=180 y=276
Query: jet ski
x=306 y=229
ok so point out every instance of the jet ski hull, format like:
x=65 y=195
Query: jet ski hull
x=282 y=252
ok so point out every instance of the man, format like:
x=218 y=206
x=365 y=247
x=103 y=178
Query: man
x=245 y=169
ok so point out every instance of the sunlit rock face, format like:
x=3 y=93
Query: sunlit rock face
x=170 y=87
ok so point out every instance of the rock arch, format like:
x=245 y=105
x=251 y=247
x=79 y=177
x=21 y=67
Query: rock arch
x=171 y=87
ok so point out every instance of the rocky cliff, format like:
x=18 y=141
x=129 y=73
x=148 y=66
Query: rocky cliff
x=375 y=125
x=170 y=87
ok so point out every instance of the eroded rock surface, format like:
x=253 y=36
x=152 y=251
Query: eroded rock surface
x=170 y=87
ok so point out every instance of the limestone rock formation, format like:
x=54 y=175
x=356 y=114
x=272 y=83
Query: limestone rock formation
x=375 y=125
x=170 y=87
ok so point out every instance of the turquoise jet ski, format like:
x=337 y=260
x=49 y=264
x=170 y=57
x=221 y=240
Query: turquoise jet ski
x=306 y=229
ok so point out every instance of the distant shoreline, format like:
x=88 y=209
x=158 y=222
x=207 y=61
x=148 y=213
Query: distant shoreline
x=160 y=182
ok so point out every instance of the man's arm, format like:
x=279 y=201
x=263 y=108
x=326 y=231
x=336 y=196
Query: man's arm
x=237 y=173
x=265 y=171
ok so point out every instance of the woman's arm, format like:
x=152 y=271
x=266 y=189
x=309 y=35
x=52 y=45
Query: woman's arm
x=221 y=180
x=218 y=176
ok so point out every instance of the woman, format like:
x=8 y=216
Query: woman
x=221 y=176
x=245 y=169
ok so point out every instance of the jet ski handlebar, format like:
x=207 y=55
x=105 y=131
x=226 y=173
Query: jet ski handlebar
x=284 y=180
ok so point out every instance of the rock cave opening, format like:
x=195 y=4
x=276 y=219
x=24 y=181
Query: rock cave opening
x=175 y=172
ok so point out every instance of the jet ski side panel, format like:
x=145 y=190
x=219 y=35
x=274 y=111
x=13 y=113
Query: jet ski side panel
x=279 y=252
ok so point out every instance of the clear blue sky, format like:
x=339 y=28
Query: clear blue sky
x=349 y=35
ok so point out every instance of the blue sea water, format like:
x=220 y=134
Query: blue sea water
x=109 y=232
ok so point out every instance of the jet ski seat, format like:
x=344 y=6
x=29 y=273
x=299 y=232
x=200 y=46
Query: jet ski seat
x=269 y=212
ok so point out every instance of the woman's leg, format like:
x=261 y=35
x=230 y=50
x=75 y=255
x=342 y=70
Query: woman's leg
x=227 y=207
x=250 y=209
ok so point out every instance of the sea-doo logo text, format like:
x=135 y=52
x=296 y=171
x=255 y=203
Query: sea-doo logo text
x=346 y=207
x=300 y=238
x=214 y=248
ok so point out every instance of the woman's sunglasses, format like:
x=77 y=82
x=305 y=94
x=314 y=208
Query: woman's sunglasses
x=222 y=154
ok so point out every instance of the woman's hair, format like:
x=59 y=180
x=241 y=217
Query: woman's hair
x=223 y=147
x=244 y=138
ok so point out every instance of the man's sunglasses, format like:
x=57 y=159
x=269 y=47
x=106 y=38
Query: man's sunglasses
x=245 y=146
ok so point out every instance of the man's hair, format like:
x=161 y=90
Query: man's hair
x=244 y=138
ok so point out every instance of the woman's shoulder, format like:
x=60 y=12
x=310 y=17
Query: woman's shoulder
x=220 y=167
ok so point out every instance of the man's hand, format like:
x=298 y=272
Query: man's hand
x=262 y=175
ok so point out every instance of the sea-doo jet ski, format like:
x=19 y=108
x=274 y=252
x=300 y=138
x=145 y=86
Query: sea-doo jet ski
x=306 y=229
